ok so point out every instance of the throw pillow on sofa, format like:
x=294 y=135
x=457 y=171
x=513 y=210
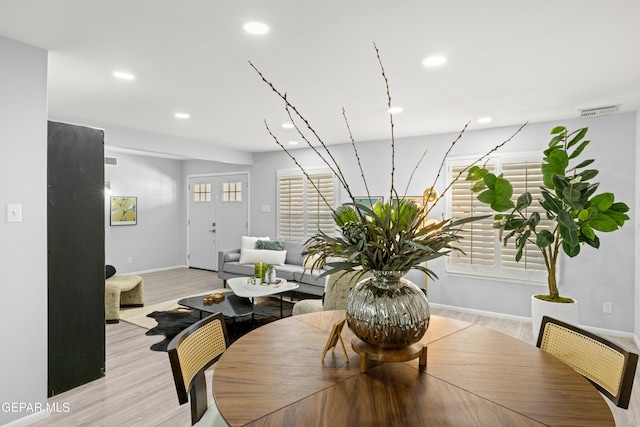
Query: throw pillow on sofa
x=253 y=256
x=270 y=245
x=249 y=242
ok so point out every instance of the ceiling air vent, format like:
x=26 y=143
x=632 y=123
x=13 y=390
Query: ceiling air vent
x=601 y=111
x=113 y=161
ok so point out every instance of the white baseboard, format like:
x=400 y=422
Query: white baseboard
x=611 y=332
x=481 y=312
x=28 y=420
x=154 y=270
x=592 y=329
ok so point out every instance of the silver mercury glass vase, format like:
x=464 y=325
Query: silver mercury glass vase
x=387 y=310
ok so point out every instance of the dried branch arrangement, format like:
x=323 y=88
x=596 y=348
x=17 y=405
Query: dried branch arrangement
x=388 y=236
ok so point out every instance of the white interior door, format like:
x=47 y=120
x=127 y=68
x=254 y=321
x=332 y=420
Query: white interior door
x=202 y=223
x=218 y=217
x=232 y=211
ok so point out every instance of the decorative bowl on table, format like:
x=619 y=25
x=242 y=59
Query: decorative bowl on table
x=213 y=299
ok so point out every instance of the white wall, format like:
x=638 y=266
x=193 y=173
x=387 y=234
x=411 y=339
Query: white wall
x=155 y=143
x=592 y=278
x=637 y=228
x=157 y=240
x=23 y=252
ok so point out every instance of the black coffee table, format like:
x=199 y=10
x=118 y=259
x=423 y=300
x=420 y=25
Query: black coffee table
x=232 y=306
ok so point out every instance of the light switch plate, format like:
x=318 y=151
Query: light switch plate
x=14 y=212
x=265 y=208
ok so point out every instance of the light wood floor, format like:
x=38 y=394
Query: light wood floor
x=138 y=388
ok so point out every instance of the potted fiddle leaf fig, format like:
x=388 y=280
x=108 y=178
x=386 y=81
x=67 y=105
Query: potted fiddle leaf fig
x=570 y=201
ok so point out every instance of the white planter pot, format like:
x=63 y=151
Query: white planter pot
x=561 y=311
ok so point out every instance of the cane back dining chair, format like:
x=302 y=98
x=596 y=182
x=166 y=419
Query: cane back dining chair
x=191 y=353
x=609 y=367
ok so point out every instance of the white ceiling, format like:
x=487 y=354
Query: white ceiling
x=515 y=61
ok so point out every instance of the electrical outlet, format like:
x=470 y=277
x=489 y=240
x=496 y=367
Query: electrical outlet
x=14 y=212
x=130 y=260
x=607 y=307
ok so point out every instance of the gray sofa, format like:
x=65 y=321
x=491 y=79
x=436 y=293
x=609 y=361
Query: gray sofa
x=292 y=270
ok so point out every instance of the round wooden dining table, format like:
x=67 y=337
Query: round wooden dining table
x=275 y=376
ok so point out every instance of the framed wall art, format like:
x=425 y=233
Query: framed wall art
x=369 y=201
x=124 y=210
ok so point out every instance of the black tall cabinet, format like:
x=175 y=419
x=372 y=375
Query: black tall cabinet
x=75 y=234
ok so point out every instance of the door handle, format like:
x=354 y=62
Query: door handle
x=212 y=230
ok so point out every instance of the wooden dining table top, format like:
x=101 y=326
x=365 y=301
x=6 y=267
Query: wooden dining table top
x=475 y=376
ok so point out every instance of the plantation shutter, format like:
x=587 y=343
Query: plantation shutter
x=291 y=208
x=525 y=177
x=478 y=238
x=302 y=205
x=319 y=215
x=485 y=254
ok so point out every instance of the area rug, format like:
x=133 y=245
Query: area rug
x=171 y=322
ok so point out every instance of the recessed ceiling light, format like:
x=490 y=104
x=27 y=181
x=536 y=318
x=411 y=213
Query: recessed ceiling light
x=256 y=28
x=395 y=110
x=484 y=120
x=182 y=116
x=434 y=61
x=293 y=142
x=287 y=126
x=123 y=75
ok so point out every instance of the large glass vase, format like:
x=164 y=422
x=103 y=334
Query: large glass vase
x=387 y=310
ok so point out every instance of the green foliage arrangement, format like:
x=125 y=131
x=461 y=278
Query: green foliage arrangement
x=568 y=198
x=385 y=237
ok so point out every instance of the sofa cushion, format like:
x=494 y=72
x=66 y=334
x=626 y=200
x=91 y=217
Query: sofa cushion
x=294 y=249
x=249 y=242
x=236 y=268
x=253 y=256
x=287 y=271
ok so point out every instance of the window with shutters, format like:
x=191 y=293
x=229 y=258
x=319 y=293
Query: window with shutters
x=304 y=207
x=485 y=254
